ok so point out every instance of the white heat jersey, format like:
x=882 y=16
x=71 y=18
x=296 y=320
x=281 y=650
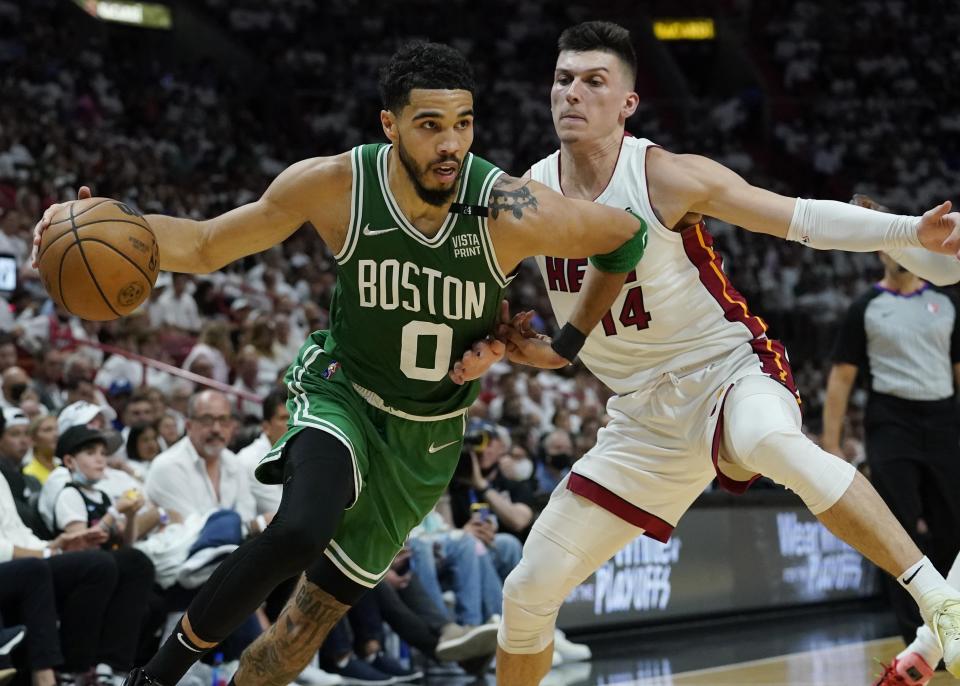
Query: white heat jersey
x=677 y=309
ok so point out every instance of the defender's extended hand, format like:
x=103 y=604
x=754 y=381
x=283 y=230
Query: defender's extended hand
x=526 y=346
x=939 y=230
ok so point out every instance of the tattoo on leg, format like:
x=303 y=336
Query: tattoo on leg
x=510 y=194
x=281 y=652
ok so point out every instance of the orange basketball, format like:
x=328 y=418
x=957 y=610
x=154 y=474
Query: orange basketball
x=99 y=259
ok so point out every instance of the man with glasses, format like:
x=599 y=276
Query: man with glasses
x=198 y=473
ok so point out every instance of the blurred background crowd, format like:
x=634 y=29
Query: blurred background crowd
x=807 y=98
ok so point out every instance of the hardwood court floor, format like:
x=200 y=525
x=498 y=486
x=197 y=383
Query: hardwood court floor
x=844 y=665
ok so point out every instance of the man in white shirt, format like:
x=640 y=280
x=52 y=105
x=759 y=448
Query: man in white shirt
x=177 y=308
x=275 y=416
x=198 y=474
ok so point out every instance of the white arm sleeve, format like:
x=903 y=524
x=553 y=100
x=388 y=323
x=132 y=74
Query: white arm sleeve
x=941 y=270
x=832 y=225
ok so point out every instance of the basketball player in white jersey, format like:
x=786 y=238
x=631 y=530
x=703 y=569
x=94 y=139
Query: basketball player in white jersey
x=702 y=392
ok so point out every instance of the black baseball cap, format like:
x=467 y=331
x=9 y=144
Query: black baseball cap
x=76 y=438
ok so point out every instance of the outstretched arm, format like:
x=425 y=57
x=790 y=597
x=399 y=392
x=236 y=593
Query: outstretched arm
x=682 y=184
x=316 y=190
x=527 y=219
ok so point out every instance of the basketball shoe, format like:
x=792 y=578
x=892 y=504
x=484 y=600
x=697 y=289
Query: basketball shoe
x=946 y=624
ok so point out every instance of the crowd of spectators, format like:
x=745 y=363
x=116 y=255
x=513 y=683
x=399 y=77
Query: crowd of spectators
x=848 y=97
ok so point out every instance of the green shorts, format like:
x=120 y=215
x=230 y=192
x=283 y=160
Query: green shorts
x=401 y=464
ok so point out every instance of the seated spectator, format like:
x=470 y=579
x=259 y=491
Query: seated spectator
x=169 y=429
x=14 y=383
x=408 y=608
x=48 y=378
x=94 y=615
x=446 y=557
x=14 y=444
x=273 y=427
x=82 y=509
x=484 y=502
x=198 y=474
x=176 y=308
x=81 y=505
x=556 y=458
x=143 y=444
x=8 y=351
x=43 y=434
x=248 y=370
x=214 y=344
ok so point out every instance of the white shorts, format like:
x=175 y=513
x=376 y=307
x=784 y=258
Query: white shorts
x=663 y=444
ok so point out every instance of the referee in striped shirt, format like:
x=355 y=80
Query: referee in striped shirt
x=904 y=335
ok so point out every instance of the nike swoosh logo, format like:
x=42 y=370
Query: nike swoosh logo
x=437 y=448
x=906 y=582
x=185 y=644
x=367 y=231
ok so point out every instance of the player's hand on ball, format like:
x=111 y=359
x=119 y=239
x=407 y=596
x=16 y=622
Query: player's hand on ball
x=939 y=230
x=44 y=222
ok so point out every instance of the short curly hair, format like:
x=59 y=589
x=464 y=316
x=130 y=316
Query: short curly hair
x=423 y=65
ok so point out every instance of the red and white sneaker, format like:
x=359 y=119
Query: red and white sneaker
x=910 y=670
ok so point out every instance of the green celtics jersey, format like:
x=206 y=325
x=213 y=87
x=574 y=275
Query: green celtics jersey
x=406 y=306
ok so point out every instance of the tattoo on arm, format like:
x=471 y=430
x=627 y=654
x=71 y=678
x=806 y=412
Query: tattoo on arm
x=511 y=194
x=282 y=651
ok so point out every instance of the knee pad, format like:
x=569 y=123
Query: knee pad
x=534 y=591
x=529 y=611
x=762 y=434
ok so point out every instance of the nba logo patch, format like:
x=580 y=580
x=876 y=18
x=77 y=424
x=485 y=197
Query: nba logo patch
x=933 y=308
x=330 y=370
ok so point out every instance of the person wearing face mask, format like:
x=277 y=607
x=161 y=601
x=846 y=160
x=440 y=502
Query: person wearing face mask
x=81 y=509
x=81 y=505
x=556 y=458
x=14 y=383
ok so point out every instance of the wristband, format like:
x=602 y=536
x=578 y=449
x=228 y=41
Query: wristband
x=261 y=523
x=162 y=517
x=568 y=342
x=114 y=512
x=624 y=258
x=47 y=553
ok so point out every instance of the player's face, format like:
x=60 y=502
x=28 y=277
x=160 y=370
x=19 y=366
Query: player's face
x=433 y=133
x=592 y=95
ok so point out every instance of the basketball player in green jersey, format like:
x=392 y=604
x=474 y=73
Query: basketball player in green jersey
x=425 y=235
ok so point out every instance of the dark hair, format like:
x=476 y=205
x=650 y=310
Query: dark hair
x=135 y=432
x=601 y=35
x=432 y=66
x=139 y=396
x=275 y=398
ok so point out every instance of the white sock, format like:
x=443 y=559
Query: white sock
x=926 y=645
x=927 y=586
x=953 y=576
